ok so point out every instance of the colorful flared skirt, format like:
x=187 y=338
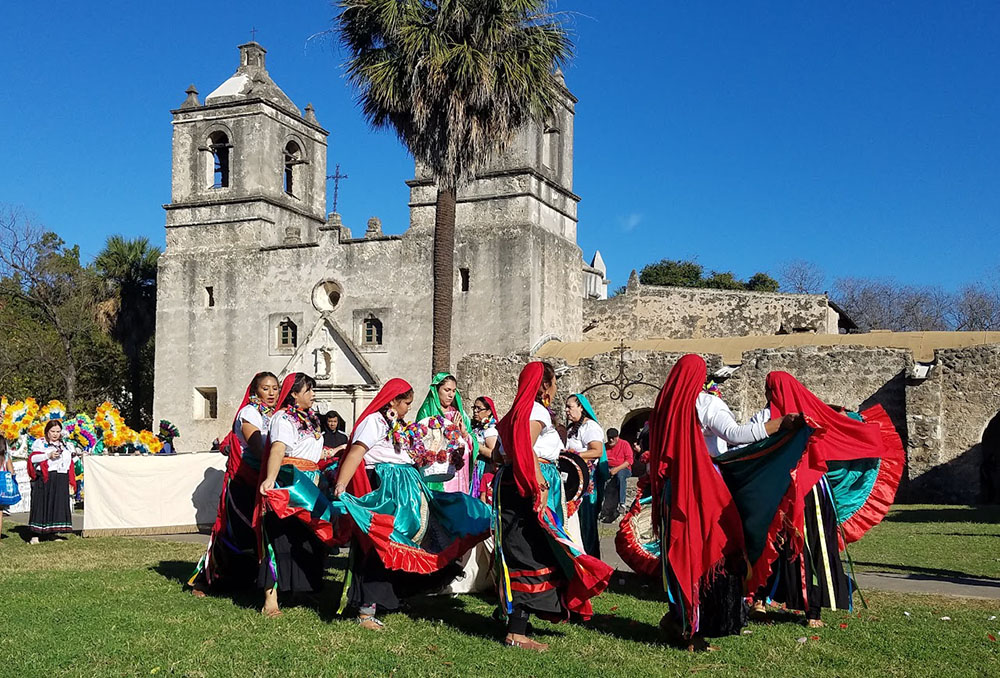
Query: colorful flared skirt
x=539 y=567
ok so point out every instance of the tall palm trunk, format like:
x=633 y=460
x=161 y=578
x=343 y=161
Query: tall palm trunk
x=444 y=280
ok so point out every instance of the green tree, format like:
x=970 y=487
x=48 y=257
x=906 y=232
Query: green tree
x=762 y=282
x=455 y=80
x=684 y=273
x=672 y=273
x=52 y=347
x=128 y=313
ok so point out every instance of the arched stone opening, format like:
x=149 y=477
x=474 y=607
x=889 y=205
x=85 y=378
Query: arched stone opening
x=989 y=469
x=629 y=430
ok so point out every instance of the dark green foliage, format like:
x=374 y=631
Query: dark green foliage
x=681 y=273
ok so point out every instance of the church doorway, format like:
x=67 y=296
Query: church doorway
x=629 y=430
x=989 y=470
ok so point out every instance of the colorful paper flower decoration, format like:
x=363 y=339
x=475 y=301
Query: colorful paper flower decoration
x=17 y=418
x=115 y=432
x=54 y=410
x=82 y=432
x=168 y=431
x=146 y=442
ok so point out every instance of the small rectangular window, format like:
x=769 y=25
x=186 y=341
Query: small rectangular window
x=288 y=334
x=206 y=402
x=464 y=272
x=372 y=335
x=209 y=297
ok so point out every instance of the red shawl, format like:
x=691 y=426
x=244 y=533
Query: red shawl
x=838 y=438
x=515 y=430
x=359 y=485
x=705 y=525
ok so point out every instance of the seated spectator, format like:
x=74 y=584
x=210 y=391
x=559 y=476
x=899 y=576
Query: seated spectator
x=620 y=460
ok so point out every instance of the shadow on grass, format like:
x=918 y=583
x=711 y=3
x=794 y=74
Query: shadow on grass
x=931 y=573
x=180 y=571
x=970 y=514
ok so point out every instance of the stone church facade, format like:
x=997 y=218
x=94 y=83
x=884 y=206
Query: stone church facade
x=256 y=276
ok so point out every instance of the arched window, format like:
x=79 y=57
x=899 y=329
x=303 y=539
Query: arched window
x=371 y=334
x=219 y=152
x=292 y=175
x=288 y=334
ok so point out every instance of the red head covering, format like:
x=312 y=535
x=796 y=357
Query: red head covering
x=489 y=404
x=230 y=445
x=515 y=429
x=359 y=485
x=705 y=525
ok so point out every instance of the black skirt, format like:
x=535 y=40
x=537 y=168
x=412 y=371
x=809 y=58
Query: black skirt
x=296 y=558
x=235 y=561
x=535 y=575
x=372 y=583
x=51 y=512
x=806 y=581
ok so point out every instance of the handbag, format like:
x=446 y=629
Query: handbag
x=10 y=494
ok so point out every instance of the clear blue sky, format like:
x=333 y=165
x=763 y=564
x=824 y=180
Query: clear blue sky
x=864 y=136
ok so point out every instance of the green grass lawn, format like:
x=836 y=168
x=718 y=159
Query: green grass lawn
x=114 y=607
x=944 y=541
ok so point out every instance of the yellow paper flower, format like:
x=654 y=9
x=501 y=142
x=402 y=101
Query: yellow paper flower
x=18 y=417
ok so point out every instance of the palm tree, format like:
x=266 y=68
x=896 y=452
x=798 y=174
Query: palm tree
x=128 y=314
x=456 y=80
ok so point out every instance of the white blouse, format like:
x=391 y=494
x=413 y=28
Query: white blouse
x=484 y=434
x=250 y=415
x=40 y=450
x=549 y=444
x=283 y=429
x=588 y=432
x=373 y=433
x=721 y=428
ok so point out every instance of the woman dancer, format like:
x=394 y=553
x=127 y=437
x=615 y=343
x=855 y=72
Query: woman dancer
x=232 y=558
x=585 y=437
x=807 y=573
x=443 y=400
x=49 y=467
x=406 y=537
x=293 y=558
x=539 y=568
x=484 y=428
x=701 y=536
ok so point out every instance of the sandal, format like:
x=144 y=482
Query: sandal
x=369 y=622
x=527 y=644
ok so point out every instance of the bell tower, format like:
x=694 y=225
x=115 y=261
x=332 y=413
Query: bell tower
x=248 y=166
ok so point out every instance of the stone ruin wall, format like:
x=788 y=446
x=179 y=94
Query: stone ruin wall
x=940 y=419
x=653 y=312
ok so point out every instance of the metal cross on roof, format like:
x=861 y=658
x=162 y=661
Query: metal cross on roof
x=336 y=176
x=253 y=33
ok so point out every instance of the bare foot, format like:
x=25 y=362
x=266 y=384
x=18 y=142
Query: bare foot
x=517 y=640
x=815 y=623
x=198 y=591
x=34 y=540
x=270 y=612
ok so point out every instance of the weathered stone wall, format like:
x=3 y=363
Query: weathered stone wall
x=940 y=418
x=953 y=407
x=652 y=312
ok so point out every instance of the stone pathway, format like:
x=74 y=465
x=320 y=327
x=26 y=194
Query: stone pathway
x=964 y=587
